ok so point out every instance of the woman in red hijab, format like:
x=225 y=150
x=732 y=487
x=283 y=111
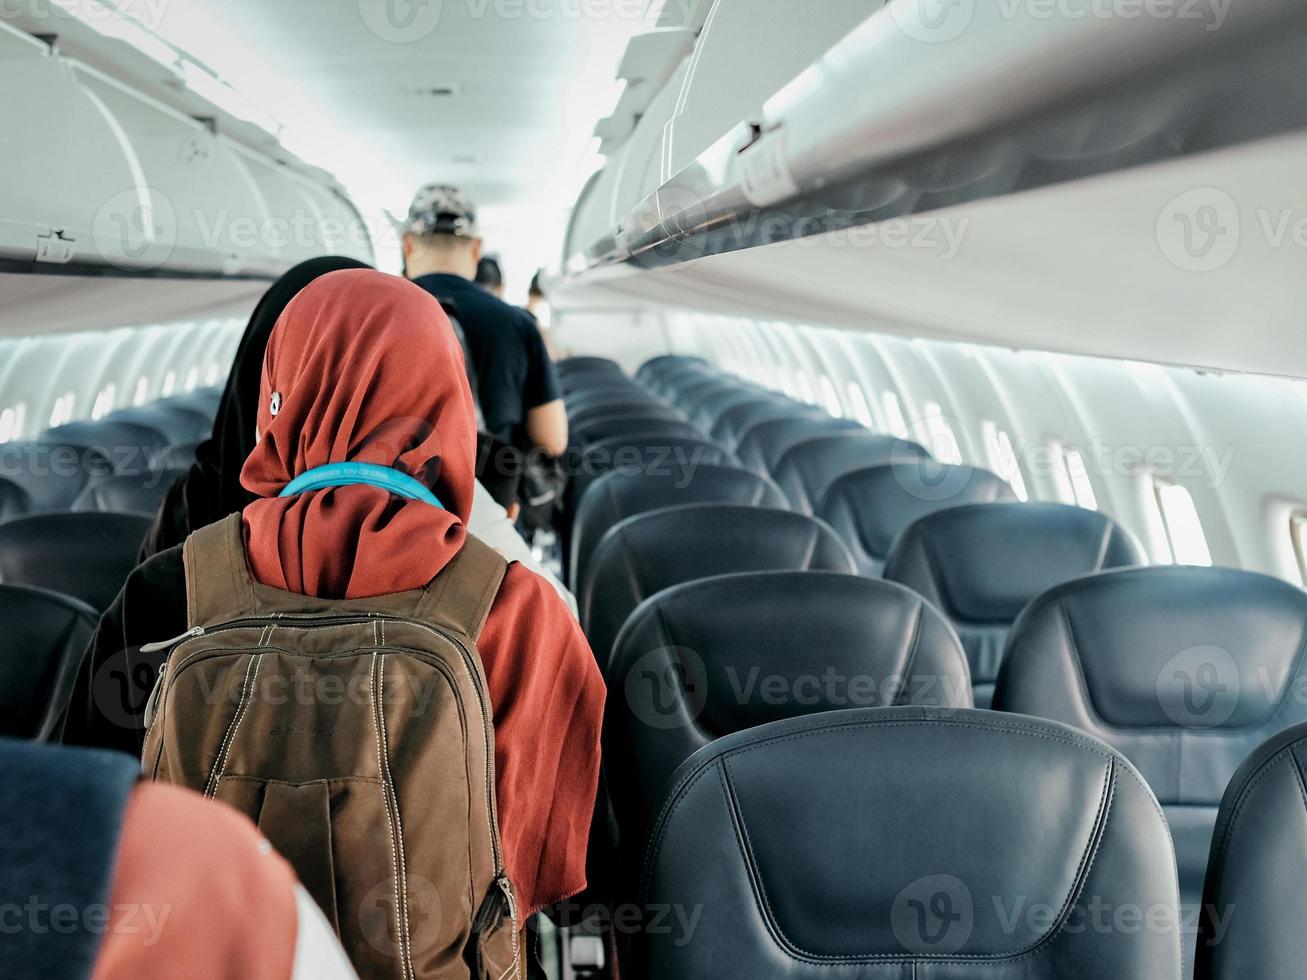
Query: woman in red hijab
x=364 y=367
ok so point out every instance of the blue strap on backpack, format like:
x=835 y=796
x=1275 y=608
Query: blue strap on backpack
x=361 y=474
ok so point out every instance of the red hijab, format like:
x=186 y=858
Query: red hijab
x=367 y=368
x=360 y=367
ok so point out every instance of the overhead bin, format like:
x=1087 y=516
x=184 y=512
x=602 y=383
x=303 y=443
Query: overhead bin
x=166 y=194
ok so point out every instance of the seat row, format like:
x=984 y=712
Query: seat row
x=121 y=463
x=761 y=760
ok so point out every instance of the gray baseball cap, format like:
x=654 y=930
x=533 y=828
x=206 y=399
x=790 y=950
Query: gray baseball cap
x=439 y=209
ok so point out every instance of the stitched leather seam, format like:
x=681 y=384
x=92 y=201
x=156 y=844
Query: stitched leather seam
x=1087 y=857
x=913 y=646
x=385 y=801
x=220 y=763
x=399 y=825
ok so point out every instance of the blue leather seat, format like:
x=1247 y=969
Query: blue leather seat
x=645 y=554
x=762 y=447
x=658 y=366
x=908 y=842
x=1255 y=901
x=598 y=429
x=128 y=494
x=981 y=564
x=589 y=365
x=709 y=658
x=131 y=447
x=617 y=496
x=179 y=423
x=808 y=469
x=735 y=422
x=608 y=394
x=51 y=474
x=635 y=404
x=1183 y=670
x=708 y=410
x=14 y=500
x=87 y=556
x=649 y=452
x=870 y=508
x=45 y=636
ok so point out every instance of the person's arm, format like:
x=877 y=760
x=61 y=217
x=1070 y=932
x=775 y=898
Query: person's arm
x=546 y=416
x=546 y=427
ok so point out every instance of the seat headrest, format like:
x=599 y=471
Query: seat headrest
x=1255 y=900
x=650 y=552
x=128 y=493
x=982 y=563
x=762 y=447
x=870 y=508
x=911 y=841
x=85 y=555
x=640 y=453
x=807 y=470
x=644 y=423
x=703 y=660
x=617 y=496
x=44 y=637
x=52 y=474
x=1139 y=656
x=14 y=500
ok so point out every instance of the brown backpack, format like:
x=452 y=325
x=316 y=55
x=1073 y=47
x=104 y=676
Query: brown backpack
x=358 y=735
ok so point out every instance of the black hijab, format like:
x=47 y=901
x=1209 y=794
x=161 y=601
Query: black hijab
x=211 y=489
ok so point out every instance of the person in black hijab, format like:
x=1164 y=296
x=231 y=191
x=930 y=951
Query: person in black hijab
x=211 y=489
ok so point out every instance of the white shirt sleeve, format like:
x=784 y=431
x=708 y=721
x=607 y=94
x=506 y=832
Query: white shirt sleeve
x=318 y=955
x=490 y=523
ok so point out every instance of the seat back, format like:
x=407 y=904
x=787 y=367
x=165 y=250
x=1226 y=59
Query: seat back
x=808 y=469
x=179 y=423
x=87 y=556
x=1255 y=900
x=645 y=554
x=617 y=496
x=602 y=396
x=642 y=423
x=45 y=636
x=658 y=366
x=126 y=443
x=708 y=410
x=1183 y=670
x=128 y=494
x=736 y=421
x=14 y=500
x=589 y=365
x=651 y=453
x=624 y=405
x=706 y=659
x=870 y=508
x=762 y=447
x=52 y=474
x=982 y=563
x=890 y=843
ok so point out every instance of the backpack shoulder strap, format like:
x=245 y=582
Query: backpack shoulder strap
x=460 y=596
x=218 y=585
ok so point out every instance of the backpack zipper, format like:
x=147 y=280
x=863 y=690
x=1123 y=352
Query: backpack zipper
x=487 y=719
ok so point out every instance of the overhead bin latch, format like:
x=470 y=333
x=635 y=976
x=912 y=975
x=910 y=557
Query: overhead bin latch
x=765 y=175
x=55 y=248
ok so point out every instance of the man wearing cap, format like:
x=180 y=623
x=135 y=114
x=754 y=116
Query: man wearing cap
x=516 y=382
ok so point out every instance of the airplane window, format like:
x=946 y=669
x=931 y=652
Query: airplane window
x=192 y=378
x=1078 y=473
x=943 y=444
x=211 y=373
x=806 y=390
x=1184 y=531
x=1298 y=529
x=861 y=410
x=169 y=383
x=142 y=391
x=63 y=409
x=103 y=402
x=11 y=422
x=1003 y=458
x=831 y=397
x=898 y=425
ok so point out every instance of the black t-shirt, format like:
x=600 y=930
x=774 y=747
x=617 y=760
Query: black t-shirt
x=513 y=369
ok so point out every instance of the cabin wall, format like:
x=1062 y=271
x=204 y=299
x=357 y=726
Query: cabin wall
x=1227 y=440
x=46 y=381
